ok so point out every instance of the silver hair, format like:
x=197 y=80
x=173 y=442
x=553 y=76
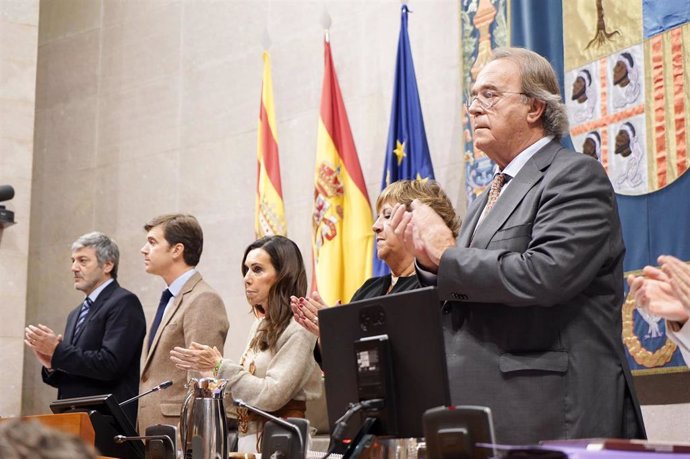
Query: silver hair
x=539 y=82
x=105 y=247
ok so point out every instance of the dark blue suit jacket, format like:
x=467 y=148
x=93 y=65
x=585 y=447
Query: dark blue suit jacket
x=104 y=359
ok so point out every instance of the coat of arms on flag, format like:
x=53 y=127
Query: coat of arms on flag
x=626 y=88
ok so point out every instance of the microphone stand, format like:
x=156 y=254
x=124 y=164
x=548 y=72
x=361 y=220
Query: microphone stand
x=119 y=439
x=355 y=447
x=163 y=385
x=281 y=422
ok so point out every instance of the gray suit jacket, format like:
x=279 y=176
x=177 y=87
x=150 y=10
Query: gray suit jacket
x=197 y=314
x=533 y=318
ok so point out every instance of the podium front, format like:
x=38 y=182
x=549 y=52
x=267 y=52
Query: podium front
x=77 y=424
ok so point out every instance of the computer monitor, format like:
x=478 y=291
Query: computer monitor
x=108 y=420
x=391 y=348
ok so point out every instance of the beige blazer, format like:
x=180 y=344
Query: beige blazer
x=197 y=314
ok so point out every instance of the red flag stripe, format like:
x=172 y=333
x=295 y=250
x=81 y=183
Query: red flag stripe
x=270 y=151
x=335 y=120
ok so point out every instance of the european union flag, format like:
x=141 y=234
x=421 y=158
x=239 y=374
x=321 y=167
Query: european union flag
x=407 y=152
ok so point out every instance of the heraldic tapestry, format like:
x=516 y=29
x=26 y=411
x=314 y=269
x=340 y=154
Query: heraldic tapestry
x=626 y=87
x=626 y=83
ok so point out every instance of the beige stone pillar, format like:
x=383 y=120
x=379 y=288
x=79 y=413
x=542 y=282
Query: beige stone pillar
x=18 y=51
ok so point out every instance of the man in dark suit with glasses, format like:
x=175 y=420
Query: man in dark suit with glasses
x=533 y=286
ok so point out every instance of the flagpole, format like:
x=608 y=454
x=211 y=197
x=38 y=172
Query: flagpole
x=326 y=24
x=266 y=40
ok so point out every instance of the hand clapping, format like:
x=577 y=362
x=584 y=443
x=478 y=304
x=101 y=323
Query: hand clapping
x=663 y=292
x=424 y=232
x=197 y=357
x=306 y=311
x=42 y=341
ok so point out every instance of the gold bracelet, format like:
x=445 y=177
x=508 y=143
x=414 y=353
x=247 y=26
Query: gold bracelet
x=217 y=368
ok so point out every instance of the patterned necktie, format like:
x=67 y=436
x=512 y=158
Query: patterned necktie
x=81 y=318
x=495 y=191
x=165 y=297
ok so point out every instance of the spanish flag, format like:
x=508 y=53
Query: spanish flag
x=342 y=241
x=270 y=209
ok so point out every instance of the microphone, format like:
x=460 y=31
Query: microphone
x=281 y=422
x=163 y=385
x=6 y=192
x=119 y=439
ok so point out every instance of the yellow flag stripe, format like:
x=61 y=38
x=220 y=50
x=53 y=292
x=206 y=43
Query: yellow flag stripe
x=343 y=241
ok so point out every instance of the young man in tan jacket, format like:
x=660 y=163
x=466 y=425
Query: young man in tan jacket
x=189 y=310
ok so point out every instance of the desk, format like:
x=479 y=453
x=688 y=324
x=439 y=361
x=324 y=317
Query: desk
x=583 y=453
x=612 y=448
x=77 y=424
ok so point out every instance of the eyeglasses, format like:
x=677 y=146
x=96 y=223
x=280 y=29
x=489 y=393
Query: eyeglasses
x=487 y=98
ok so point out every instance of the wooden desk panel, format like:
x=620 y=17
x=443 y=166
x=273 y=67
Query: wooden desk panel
x=77 y=424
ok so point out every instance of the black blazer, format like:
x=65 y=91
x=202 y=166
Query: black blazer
x=105 y=358
x=378 y=286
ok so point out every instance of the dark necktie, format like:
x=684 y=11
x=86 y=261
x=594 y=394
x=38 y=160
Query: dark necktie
x=495 y=191
x=81 y=318
x=165 y=297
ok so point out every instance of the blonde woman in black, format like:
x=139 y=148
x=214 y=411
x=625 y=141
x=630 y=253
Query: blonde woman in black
x=389 y=248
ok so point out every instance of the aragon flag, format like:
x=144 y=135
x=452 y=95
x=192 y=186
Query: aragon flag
x=270 y=209
x=342 y=240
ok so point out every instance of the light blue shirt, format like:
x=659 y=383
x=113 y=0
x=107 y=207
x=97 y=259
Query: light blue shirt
x=176 y=286
x=97 y=291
